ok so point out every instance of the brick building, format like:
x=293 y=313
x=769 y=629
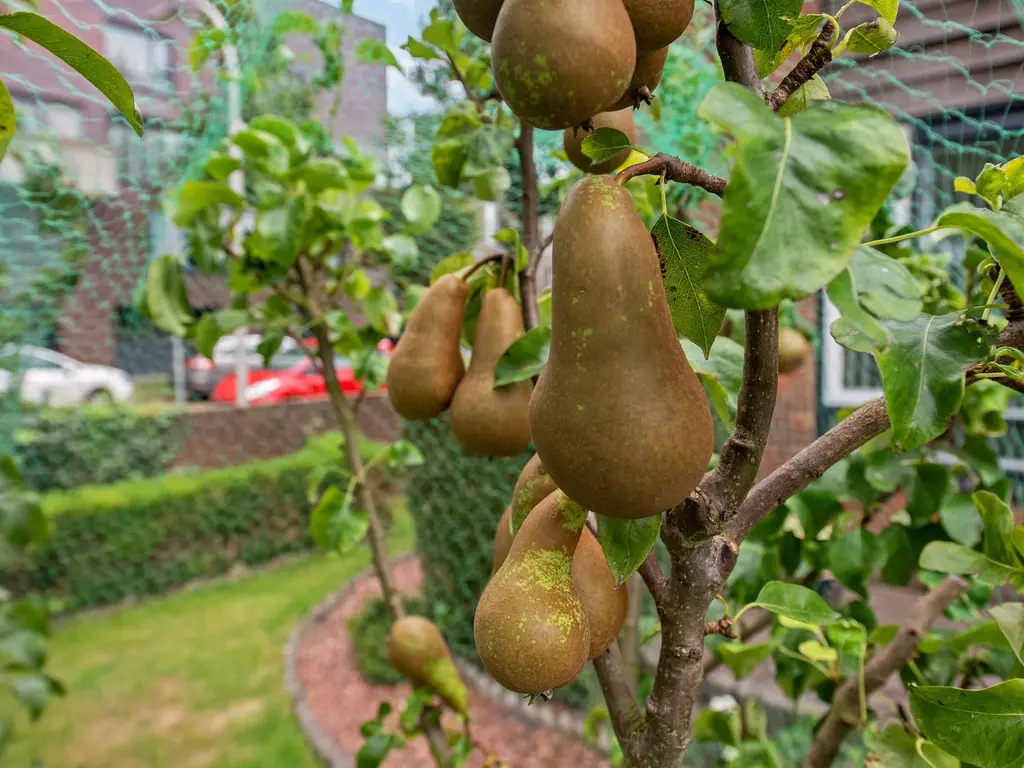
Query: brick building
x=122 y=179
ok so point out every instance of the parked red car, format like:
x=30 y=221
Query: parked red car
x=292 y=376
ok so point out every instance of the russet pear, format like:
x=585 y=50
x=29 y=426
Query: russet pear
x=417 y=650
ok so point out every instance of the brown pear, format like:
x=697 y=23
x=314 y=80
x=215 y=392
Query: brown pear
x=530 y=629
x=604 y=605
x=488 y=421
x=650 y=66
x=502 y=540
x=572 y=140
x=426 y=366
x=658 y=23
x=479 y=16
x=416 y=648
x=557 y=64
x=618 y=416
x=794 y=349
x=533 y=486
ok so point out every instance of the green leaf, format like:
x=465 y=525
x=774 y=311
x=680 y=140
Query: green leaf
x=375 y=749
x=278 y=232
x=885 y=287
x=447 y=158
x=373 y=51
x=492 y=185
x=605 y=143
x=813 y=90
x=990 y=183
x=872 y=38
x=525 y=359
x=381 y=309
x=80 y=57
x=743 y=658
x=166 y=296
x=626 y=543
x=418 y=50
x=288 y=21
x=849 y=638
x=796 y=602
x=335 y=525
x=998 y=520
x=815 y=651
x=855 y=328
x=853 y=557
x=402 y=250
x=287 y=132
x=720 y=374
x=802 y=192
x=895 y=748
x=1010 y=618
x=931 y=484
x=213 y=325
x=22 y=522
x=220 y=165
x=445 y=34
x=1013 y=178
x=923 y=375
x=887 y=9
x=684 y=254
x=8 y=120
x=510 y=236
x=883 y=635
x=33 y=691
x=764 y=25
x=964 y=185
x=454 y=263
x=804 y=30
x=23 y=650
x=960 y=519
x=1018 y=539
x=1002 y=230
x=984 y=727
x=195 y=197
x=947 y=557
x=724 y=727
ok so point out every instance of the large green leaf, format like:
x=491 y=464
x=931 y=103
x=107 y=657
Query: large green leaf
x=984 y=727
x=80 y=57
x=213 y=325
x=166 y=297
x=721 y=374
x=8 y=120
x=853 y=557
x=684 y=253
x=947 y=557
x=421 y=207
x=998 y=520
x=795 y=602
x=802 y=192
x=525 y=359
x=373 y=51
x=1010 y=618
x=895 y=748
x=194 y=197
x=1002 y=230
x=743 y=658
x=960 y=519
x=931 y=484
x=626 y=543
x=923 y=375
x=887 y=9
x=334 y=524
x=885 y=287
x=855 y=328
x=764 y=25
x=803 y=30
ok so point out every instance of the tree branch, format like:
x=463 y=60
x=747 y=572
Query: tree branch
x=676 y=170
x=531 y=223
x=809 y=464
x=816 y=59
x=462 y=81
x=655 y=580
x=844 y=715
x=737 y=58
x=627 y=720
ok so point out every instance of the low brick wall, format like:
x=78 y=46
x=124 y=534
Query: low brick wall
x=225 y=435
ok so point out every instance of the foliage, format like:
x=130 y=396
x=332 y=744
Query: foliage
x=369 y=630
x=64 y=449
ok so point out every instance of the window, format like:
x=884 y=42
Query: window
x=143 y=59
x=146 y=161
x=63 y=121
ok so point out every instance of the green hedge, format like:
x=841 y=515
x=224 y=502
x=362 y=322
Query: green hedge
x=147 y=536
x=63 y=449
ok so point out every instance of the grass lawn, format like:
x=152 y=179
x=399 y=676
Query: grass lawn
x=192 y=680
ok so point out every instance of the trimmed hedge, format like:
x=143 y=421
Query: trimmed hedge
x=145 y=537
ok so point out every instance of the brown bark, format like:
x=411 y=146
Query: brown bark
x=531 y=225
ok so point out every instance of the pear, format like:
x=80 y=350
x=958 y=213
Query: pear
x=503 y=538
x=604 y=604
x=416 y=648
x=650 y=67
x=530 y=629
x=426 y=366
x=485 y=420
x=557 y=64
x=658 y=23
x=479 y=16
x=572 y=140
x=533 y=486
x=618 y=416
x=793 y=349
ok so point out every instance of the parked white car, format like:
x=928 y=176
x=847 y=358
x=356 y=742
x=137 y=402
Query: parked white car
x=50 y=378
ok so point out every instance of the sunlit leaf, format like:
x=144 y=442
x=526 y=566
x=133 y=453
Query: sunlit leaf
x=796 y=602
x=525 y=359
x=626 y=543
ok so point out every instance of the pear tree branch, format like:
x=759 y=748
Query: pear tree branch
x=531 y=225
x=626 y=718
x=819 y=57
x=674 y=169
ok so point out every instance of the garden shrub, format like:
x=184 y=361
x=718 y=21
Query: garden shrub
x=369 y=630
x=61 y=449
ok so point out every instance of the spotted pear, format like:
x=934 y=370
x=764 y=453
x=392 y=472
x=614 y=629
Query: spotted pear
x=533 y=486
x=530 y=629
x=488 y=421
x=557 y=64
x=618 y=416
x=658 y=23
x=650 y=66
x=572 y=140
x=426 y=366
x=479 y=16
x=604 y=605
x=793 y=349
x=416 y=648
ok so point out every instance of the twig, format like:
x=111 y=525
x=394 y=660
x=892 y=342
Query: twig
x=722 y=626
x=531 y=224
x=483 y=263
x=844 y=715
x=462 y=80
x=674 y=169
x=503 y=275
x=655 y=580
x=627 y=720
x=816 y=59
x=744 y=632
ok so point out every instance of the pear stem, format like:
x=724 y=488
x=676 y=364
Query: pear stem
x=504 y=272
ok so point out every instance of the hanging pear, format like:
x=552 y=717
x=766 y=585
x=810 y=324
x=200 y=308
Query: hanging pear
x=618 y=416
x=488 y=421
x=794 y=349
x=530 y=629
x=650 y=66
x=416 y=648
x=658 y=23
x=557 y=64
x=426 y=366
x=604 y=604
x=533 y=486
x=503 y=538
x=572 y=140
x=479 y=16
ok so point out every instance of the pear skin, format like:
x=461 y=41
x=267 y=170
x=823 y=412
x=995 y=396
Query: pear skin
x=533 y=486
x=530 y=629
x=650 y=67
x=479 y=16
x=604 y=604
x=618 y=416
x=658 y=23
x=416 y=648
x=426 y=366
x=572 y=141
x=488 y=421
x=503 y=537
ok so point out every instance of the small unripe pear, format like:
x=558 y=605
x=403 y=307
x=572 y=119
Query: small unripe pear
x=418 y=651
